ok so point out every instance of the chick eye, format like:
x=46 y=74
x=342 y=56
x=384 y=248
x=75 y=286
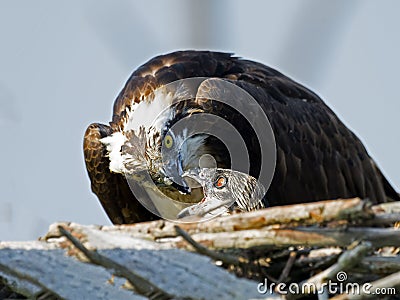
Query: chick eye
x=168 y=141
x=220 y=182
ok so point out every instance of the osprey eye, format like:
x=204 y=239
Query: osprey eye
x=168 y=141
x=220 y=182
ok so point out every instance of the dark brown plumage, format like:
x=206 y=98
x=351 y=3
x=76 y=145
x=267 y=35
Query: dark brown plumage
x=318 y=157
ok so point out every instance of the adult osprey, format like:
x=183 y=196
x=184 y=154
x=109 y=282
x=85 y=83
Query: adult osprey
x=317 y=156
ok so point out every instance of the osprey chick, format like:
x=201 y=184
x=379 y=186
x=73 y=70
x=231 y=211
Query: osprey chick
x=225 y=190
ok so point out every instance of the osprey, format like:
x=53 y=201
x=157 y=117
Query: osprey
x=317 y=156
x=224 y=190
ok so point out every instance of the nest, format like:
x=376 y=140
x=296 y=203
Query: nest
x=290 y=252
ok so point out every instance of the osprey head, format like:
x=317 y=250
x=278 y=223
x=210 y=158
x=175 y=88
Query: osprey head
x=152 y=141
x=179 y=152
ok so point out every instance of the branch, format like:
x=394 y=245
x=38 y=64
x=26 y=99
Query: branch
x=378 y=265
x=290 y=215
x=271 y=237
x=225 y=258
x=288 y=267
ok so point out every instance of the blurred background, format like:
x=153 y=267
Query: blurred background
x=62 y=64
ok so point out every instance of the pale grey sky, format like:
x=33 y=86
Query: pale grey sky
x=62 y=63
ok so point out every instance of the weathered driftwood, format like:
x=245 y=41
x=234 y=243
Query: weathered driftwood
x=42 y=287
x=303 y=214
x=31 y=271
x=291 y=215
x=140 y=284
x=183 y=274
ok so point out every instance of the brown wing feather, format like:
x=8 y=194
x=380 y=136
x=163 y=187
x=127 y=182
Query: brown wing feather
x=318 y=157
x=111 y=189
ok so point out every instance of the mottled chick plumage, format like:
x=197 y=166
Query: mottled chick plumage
x=225 y=190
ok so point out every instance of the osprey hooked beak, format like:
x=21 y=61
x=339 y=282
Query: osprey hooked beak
x=180 y=153
x=173 y=173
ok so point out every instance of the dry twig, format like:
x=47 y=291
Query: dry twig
x=225 y=258
x=288 y=267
